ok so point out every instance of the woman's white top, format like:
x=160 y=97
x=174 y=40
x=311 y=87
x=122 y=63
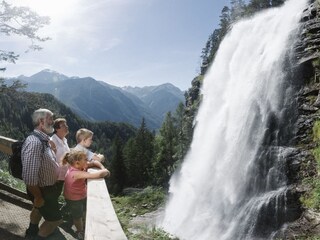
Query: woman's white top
x=62 y=149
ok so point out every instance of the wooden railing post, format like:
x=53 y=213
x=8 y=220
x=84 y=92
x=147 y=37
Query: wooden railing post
x=101 y=220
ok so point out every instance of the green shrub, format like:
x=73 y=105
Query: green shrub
x=316 y=131
x=7 y=179
x=153 y=234
x=137 y=204
x=311 y=199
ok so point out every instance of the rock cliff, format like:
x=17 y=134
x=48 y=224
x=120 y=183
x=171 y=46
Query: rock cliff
x=303 y=167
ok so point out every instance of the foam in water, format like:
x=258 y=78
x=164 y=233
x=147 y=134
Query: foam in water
x=230 y=178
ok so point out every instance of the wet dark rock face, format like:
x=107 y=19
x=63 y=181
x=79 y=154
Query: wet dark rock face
x=301 y=163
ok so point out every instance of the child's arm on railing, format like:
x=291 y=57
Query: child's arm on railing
x=98 y=164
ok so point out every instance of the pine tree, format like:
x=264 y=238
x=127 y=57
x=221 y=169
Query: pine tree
x=181 y=126
x=216 y=39
x=117 y=167
x=237 y=10
x=166 y=157
x=205 y=55
x=139 y=154
x=224 y=21
x=276 y=3
x=145 y=153
x=132 y=170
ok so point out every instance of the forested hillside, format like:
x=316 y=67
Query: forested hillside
x=17 y=107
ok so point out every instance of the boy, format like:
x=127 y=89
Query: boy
x=84 y=141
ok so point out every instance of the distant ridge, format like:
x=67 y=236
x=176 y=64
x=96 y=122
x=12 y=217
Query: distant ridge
x=99 y=101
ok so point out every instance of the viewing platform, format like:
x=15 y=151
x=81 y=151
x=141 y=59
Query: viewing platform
x=101 y=220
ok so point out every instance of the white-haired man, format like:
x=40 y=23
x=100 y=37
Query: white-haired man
x=40 y=174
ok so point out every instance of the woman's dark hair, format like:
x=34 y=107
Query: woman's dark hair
x=57 y=122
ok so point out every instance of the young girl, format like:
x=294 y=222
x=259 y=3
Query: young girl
x=75 y=189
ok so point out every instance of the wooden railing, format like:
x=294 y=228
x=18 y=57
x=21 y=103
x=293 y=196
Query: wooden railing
x=5 y=145
x=101 y=220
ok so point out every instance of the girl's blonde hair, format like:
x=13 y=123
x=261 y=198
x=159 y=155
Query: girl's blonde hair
x=73 y=156
x=83 y=134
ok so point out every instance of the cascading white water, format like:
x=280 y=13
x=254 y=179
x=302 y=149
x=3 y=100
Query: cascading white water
x=218 y=193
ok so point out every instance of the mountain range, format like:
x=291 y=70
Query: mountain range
x=99 y=101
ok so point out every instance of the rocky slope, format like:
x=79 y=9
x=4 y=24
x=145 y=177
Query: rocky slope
x=303 y=167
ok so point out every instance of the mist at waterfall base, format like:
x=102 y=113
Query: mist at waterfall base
x=232 y=183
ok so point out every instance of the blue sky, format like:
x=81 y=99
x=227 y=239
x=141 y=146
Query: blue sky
x=122 y=42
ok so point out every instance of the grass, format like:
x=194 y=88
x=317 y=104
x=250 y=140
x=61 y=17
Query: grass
x=153 y=234
x=137 y=204
x=316 y=131
x=9 y=180
x=311 y=199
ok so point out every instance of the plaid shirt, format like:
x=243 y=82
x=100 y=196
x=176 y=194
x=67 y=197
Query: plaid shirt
x=39 y=166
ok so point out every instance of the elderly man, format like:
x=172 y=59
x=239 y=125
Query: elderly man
x=40 y=174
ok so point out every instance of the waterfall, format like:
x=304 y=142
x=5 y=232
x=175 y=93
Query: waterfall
x=232 y=183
